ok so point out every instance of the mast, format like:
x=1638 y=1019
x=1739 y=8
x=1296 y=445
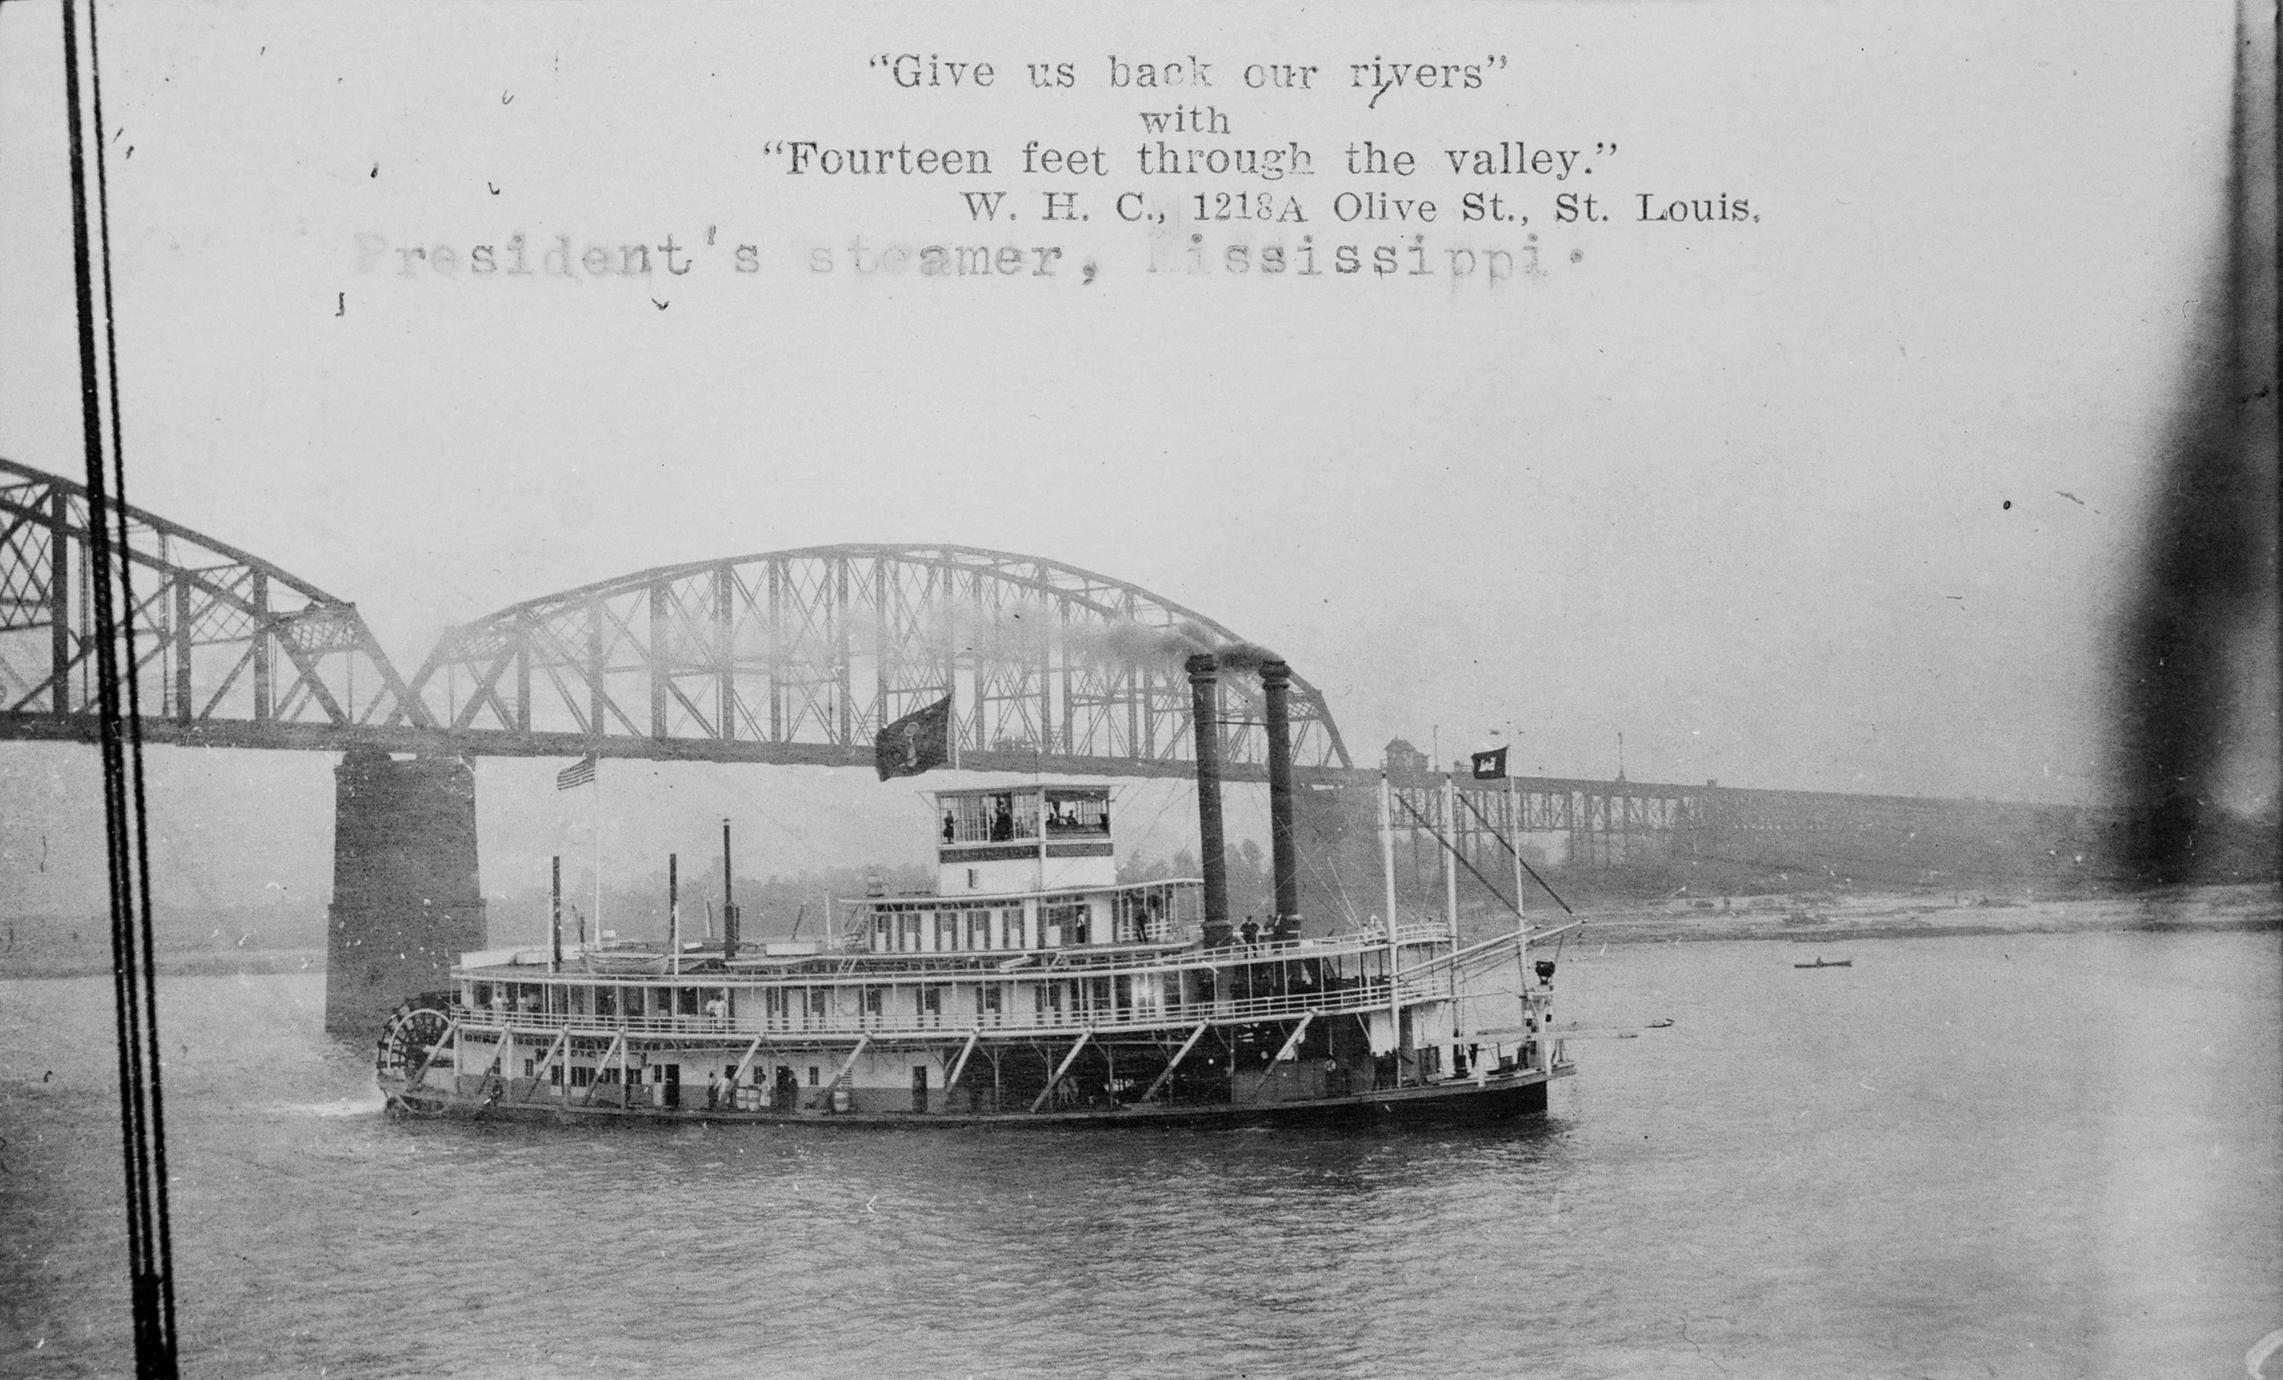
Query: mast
x=673 y=914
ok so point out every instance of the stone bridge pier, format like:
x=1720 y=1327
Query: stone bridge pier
x=406 y=899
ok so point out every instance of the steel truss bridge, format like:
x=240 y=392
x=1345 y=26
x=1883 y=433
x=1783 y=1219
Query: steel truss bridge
x=783 y=657
x=799 y=657
x=229 y=649
x=1641 y=825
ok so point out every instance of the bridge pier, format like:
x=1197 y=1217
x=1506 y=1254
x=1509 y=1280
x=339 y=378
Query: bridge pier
x=406 y=899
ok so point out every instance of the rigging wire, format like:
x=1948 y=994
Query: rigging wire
x=142 y=1121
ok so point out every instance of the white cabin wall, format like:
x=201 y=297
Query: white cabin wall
x=1078 y=874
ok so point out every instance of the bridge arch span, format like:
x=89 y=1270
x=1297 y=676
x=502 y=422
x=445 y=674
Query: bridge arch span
x=229 y=649
x=801 y=655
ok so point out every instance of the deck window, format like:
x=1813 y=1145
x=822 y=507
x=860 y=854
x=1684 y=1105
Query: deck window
x=1077 y=814
x=1066 y=918
x=994 y=817
x=1146 y=914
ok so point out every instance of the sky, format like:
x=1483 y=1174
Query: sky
x=1842 y=496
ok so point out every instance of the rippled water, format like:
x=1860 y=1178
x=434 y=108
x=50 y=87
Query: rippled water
x=2026 y=1155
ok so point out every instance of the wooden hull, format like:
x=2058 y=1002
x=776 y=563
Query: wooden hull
x=1496 y=1098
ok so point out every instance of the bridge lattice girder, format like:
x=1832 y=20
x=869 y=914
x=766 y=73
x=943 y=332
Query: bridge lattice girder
x=227 y=647
x=802 y=656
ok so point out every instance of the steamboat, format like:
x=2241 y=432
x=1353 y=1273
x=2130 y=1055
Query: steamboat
x=1030 y=987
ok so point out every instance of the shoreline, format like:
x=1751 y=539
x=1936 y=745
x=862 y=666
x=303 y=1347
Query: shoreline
x=1823 y=920
x=2205 y=910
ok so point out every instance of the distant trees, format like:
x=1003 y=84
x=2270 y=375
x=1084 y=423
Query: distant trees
x=770 y=907
x=1252 y=889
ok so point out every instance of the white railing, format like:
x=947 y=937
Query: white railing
x=992 y=965
x=1426 y=980
x=1366 y=997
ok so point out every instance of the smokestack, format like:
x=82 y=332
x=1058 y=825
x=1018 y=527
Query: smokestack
x=1205 y=708
x=728 y=901
x=1284 y=856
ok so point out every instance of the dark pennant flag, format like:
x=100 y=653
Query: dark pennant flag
x=916 y=742
x=577 y=774
x=1491 y=765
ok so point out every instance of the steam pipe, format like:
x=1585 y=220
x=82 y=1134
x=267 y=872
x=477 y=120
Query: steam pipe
x=555 y=916
x=1205 y=714
x=1284 y=855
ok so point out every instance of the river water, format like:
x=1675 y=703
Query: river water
x=2018 y=1155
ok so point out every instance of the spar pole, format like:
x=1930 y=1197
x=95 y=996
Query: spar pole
x=1387 y=871
x=1514 y=845
x=1451 y=897
x=1521 y=922
x=596 y=782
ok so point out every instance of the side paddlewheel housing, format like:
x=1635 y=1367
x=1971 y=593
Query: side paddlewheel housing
x=410 y=1044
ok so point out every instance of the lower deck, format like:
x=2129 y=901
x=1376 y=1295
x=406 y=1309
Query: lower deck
x=1484 y=1097
x=1237 y=1030
x=1243 y=1063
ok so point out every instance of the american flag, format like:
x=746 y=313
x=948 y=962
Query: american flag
x=577 y=774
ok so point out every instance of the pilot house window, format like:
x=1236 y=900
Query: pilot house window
x=1077 y=814
x=998 y=817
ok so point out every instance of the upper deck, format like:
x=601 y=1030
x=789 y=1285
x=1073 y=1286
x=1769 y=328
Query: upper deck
x=1001 y=840
x=1107 y=990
